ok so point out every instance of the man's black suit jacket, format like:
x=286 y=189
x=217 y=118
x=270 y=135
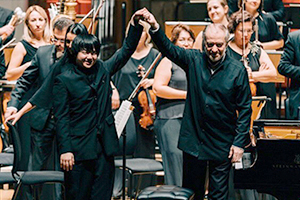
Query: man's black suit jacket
x=83 y=109
x=35 y=75
x=289 y=66
x=5 y=16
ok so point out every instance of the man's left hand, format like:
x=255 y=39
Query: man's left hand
x=235 y=153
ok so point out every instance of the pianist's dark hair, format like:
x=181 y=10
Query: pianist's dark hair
x=87 y=42
x=75 y=29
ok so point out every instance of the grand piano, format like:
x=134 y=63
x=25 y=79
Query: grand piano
x=275 y=167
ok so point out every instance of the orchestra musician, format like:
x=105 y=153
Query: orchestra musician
x=125 y=82
x=43 y=97
x=289 y=66
x=170 y=86
x=217 y=12
x=269 y=35
x=270 y=38
x=36 y=34
x=85 y=124
x=5 y=29
x=218 y=88
x=41 y=122
x=273 y=7
x=260 y=68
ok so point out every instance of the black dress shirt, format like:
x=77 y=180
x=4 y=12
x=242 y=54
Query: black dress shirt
x=218 y=106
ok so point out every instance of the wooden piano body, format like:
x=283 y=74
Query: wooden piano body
x=276 y=167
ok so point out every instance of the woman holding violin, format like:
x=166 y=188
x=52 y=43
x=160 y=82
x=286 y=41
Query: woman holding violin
x=170 y=86
x=125 y=82
x=260 y=68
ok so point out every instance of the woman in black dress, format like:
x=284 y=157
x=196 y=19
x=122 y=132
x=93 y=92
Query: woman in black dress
x=269 y=35
x=261 y=69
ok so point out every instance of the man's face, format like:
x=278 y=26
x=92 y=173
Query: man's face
x=59 y=40
x=215 y=45
x=69 y=40
x=86 y=59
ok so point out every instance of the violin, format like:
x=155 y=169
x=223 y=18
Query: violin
x=147 y=100
x=251 y=84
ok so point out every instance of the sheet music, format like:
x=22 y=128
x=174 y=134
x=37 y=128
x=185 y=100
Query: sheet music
x=122 y=116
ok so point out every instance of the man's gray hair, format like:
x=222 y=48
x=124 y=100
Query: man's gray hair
x=62 y=22
x=216 y=27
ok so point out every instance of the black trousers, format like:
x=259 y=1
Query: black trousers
x=91 y=179
x=194 y=174
x=45 y=157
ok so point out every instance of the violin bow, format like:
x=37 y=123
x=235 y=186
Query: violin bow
x=91 y=26
x=243 y=30
x=86 y=16
x=144 y=77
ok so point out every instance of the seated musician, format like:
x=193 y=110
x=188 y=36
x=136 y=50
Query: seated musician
x=289 y=66
x=260 y=68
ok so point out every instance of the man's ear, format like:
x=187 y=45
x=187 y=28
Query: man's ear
x=226 y=8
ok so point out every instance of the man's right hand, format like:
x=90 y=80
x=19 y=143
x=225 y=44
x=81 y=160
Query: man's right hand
x=14 y=118
x=67 y=161
x=10 y=111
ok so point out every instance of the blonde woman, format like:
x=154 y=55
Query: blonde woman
x=217 y=12
x=36 y=34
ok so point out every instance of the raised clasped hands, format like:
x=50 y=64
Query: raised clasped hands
x=144 y=15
